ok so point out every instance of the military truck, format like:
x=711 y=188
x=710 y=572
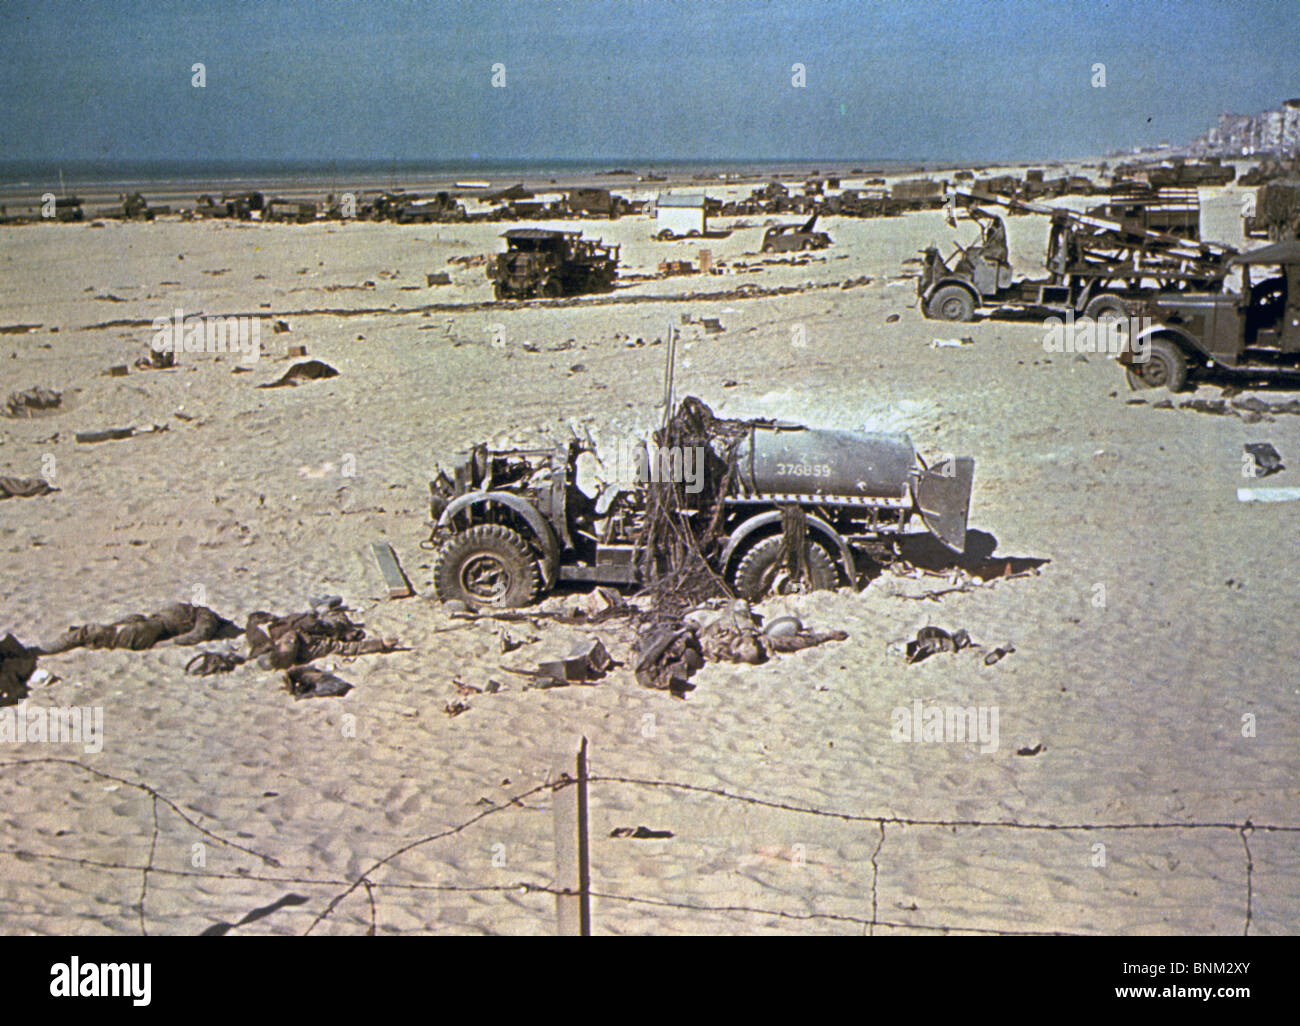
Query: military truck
x=1277 y=211
x=593 y=202
x=1171 y=211
x=291 y=210
x=241 y=206
x=133 y=208
x=441 y=206
x=1251 y=333
x=1097 y=267
x=541 y=262
x=511 y=524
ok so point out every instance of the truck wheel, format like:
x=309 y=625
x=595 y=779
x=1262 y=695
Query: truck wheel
x=1106 y=309
x=488 y=565
x=1165 y=366
x=951 y=303
x=757 y=574
x=551 y=288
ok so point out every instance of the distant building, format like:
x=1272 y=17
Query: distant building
x=680 y=215
x=1241 y=135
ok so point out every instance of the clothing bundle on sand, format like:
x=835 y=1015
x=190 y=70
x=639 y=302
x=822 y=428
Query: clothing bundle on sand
x=24 y=487
x=22 y=404
x=278 y=642
x=17 y=663
x=669 y=656
x=309 y=682
x=181 y=623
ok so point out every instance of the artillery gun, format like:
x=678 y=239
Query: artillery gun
x=1098 y=267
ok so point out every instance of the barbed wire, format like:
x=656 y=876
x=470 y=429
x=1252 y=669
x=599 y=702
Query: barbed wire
x=346 y=887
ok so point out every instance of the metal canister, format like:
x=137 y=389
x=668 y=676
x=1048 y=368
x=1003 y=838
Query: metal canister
x=776 y=460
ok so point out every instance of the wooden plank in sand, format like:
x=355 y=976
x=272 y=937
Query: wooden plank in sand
x=398 y=585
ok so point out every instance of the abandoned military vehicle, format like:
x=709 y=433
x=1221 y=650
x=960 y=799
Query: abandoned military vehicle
x=1251 y=333
x=541 y=262
x=510 y=525
x=794 y=238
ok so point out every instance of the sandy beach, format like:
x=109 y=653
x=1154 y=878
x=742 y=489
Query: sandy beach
x=1162 y=612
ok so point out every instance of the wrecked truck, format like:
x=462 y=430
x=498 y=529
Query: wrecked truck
x=1251 y=333
x=541 y=262
x=767 y=507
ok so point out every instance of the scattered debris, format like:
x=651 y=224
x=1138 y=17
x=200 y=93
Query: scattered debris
x=1030 y=751
x=398 y=585
x=668 y=659
x=587 y=662
x=113 y=434
x=1267 y=460
x=951 y=343
x=437 y=278
x=309 y=370
x=17 y=665
x=214 y=661
x=156 y=359
x=930 y=640
x=23 y=404
x=998 y=653
x=1268 y=494
x=24 y=487
x=309 y=682
x=641 y=833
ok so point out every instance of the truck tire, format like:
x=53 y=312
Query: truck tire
x=1165 y=365
x=951 y=303
x=488 y=565
x=1106 y=308
x=758 y=575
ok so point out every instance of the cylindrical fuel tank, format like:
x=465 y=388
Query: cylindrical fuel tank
x=812 y=461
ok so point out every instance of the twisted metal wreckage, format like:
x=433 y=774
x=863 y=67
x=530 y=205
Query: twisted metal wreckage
x=777 y=508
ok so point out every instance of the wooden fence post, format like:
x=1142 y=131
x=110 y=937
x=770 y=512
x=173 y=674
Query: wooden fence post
x=572 y=872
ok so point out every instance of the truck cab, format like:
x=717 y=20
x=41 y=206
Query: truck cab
x=1253 y=331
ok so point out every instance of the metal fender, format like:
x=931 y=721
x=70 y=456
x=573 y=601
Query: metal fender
x=543 y=533
x=816 y=526
x=942 y=496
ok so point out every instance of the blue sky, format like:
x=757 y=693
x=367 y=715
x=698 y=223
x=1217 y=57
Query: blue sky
x=630 y=79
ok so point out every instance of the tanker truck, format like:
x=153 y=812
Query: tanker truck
x=511 y=524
